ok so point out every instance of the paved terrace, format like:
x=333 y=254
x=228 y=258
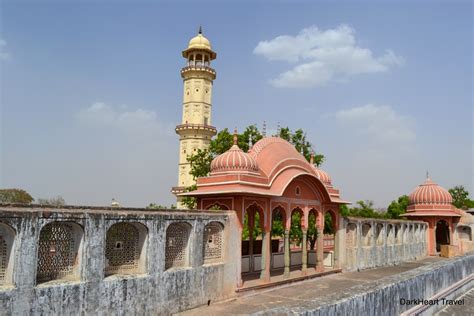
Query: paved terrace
x=309 y=294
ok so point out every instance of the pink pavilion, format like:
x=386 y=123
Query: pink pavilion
x=273 y=179
x=447 y=225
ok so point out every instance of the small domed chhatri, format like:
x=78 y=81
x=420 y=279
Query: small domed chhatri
x=199 y=42
x=235 y=159
x=432 y=203
x=430 y=193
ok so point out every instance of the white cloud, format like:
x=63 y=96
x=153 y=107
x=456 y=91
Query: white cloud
x=3 y=54
x=133 y=123
x=379 y=124
x=323 y=56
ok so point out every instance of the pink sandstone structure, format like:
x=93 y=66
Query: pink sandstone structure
x=447 y=225
x=271 y=178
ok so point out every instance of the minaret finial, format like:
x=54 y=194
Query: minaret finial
x=250 y=141
x=264 y=129
x=200 y=29
x=427 y=174
x=278 y=129
x=236 y=139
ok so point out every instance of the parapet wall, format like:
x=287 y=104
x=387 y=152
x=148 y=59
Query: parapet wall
x=74 y=260
x=373 y=243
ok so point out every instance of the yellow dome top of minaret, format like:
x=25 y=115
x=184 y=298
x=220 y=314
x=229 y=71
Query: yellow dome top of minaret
x=199 y=42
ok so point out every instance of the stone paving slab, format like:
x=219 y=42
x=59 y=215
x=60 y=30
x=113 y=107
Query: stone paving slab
x=310 y=293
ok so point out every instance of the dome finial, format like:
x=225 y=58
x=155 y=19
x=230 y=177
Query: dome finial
x=235 y=136
x=427 y=174
x=200 y=29
x=311 y=158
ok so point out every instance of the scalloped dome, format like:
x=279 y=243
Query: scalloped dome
x=322 y=175
x=235 y=159
x=430 y=193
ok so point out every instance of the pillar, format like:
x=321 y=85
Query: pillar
x=304 y=254
x=287 y=254
x=320 y=243
x=266 y=254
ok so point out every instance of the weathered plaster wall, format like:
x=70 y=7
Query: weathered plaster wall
x=370 y=243
x=155 y=292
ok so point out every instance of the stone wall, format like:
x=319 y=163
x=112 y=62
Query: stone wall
x=370 y=243
x=143 y=286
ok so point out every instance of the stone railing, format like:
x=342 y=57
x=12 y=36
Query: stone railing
x=91 y=260
x=376 y=242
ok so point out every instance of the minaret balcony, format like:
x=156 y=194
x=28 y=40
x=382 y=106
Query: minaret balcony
x=198 y=67
x=196 y=127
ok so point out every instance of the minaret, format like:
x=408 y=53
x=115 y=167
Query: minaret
x=195 y=131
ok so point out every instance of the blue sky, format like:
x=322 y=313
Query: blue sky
x=91 y=91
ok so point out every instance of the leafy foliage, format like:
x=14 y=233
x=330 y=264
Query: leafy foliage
x=461 y=197
x=363 y=209
x=396 y=208
x=55 y=201
x=15 y=196
x=159 y=206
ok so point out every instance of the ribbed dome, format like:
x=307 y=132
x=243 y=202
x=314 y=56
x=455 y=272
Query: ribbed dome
x=430 y=193
x=235 y=159
x=322 y=175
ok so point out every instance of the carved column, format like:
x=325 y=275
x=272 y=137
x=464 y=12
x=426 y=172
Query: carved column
x=287 y=254
x=304 y=254
x=320 y=243
x=266 y=254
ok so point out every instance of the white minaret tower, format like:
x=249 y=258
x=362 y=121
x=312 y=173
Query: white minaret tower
x=195 y=131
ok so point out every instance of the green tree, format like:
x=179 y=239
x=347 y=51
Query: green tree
x=460 y=197
x=55 y=201
x=362 y=209
x=15 y=196
x=159 y=206
x=312 y=233
x=296 y=235
x=396 y=208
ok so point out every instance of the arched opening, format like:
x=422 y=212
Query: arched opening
x=7 y=238
x=389 y=235
x=177 y=245
x=125 y=251
x=442 y=234
x=58 y=248
x=465 y=233
x=329 y=230
x=278 y=238
x=212 y=244
x=367 y=234
x=296 y=237
x=252 y=228
x=379 y=234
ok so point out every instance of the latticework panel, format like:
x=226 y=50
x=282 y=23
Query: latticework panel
x=177 y=236
x=212 y=243
x=351 y=239
x=3 y=261
x=122 y=248
x=55 y=252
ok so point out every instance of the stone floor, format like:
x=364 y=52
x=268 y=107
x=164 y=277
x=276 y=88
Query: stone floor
x=460 y=310
x=319 y=291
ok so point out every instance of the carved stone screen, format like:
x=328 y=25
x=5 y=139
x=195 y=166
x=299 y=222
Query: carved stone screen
x=212 y=242
x=177 y=236
x=351 y=235
x=3 y=260
x=122 y=248
x=55 y=252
